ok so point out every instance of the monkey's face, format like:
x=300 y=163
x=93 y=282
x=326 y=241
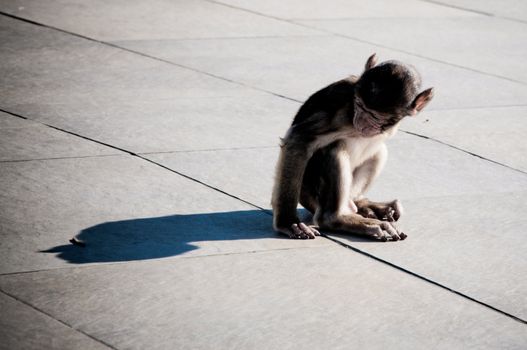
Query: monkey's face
x=384 y=95
x=370 y=122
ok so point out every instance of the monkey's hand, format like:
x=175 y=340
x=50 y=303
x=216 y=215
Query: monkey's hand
x=300 y=231
x=385 y=211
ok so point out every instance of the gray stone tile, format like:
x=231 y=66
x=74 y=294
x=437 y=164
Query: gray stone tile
x=423 y=169
x=347 y=9
x=124 y=209
x=464 y=212
x=474 y=244
x=513 y=9
x=22 y=327
x=8 y=121
x=178 y=125
x=487 y=44
x=297 y=67
x=130 y=101
x=246 y=173
x=23 y=140
x=124 y=19
x=45 y=68
x=292 y=299
x=494 y=133
x=416 y=168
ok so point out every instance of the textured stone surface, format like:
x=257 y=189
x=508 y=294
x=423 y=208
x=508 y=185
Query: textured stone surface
x=297 y=67
x=416 y=168
x=46 y=69
x=335 y=9
x=129 y=101
x=495 y=133
x=458 y=242
x=486 y=44
x=511 y=9
x=22 y=327
x=124 y=209
x=157 y=19
x=447 y=215
x=178 y=254
x=25 y=140
x=290 y=299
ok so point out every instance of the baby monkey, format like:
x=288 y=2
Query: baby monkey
x=335 y=149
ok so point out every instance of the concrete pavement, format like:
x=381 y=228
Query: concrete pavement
x=149 y=130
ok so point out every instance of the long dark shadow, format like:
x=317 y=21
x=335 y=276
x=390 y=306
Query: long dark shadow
x=164 y=236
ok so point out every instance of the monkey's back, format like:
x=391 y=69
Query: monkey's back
x=326 y=101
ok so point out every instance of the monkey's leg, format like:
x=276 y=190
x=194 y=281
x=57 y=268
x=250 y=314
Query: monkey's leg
x=335 y=211
x=363 y=177
x=367 y=172
x=355 y=223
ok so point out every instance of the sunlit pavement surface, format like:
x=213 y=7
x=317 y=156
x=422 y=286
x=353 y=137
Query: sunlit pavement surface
x=149 y=131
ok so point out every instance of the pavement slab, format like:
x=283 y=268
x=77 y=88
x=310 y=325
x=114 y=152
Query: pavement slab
x=452 y=243
x=486 y=44
x=136 y=103
x=23 y=327
x=510 y=9
x=495 y=133
x=44 y=68
x=123 y=208
x=326 y=298
x=45 y=142
x=334 y=9
x=297 y=67
x=150 y=132
x=157 y=19
x=416 y=168
x=434 y=182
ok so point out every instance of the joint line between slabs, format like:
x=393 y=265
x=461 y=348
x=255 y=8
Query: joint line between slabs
x=423 y=278
x=56 y=319
x=278 y=95
x=457 y=7
x=289 y=21
x=475 y=11
x=139 y=53
x=267 y=16
x=140 y=157
x=268 y=212
x=464 y=151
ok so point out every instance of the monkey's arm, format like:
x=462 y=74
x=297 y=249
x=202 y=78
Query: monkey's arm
x=288 y=181
x=315 y=119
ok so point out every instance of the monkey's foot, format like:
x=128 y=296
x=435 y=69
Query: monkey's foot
x=303 y=231
x=385 y=211
x=355 y=223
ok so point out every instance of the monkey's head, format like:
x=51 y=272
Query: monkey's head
x=385 y=94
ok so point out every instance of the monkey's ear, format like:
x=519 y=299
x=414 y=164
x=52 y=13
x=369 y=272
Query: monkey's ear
x=421 y=101
x=371 y=62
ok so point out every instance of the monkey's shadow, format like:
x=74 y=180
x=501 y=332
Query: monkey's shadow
x=165 y=236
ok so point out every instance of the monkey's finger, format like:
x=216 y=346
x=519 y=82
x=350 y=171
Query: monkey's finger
x=403 y=235
x=398 y=209
x=389 y=215
x=295 y=231
x=391 y=231
x=307 y=230
x=378 y=233
x=314 y=230
x=368 y=213
x=298 y=233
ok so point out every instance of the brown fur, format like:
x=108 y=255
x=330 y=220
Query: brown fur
x=335 y=148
